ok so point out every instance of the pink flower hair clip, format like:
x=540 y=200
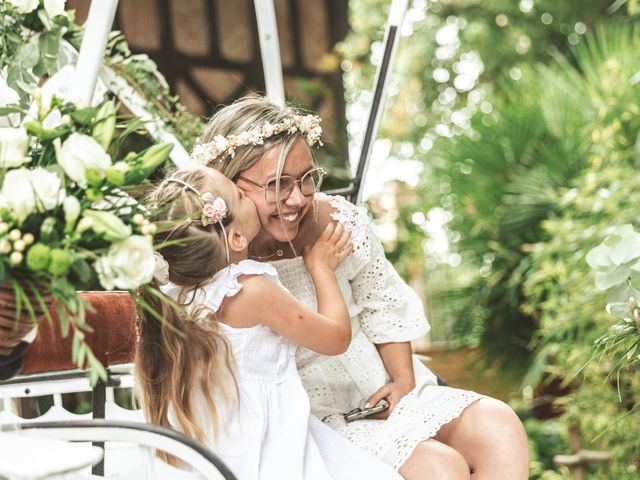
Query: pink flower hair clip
x=214 y=209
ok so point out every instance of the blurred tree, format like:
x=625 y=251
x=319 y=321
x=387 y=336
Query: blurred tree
x=525 y=115
x=458 y=62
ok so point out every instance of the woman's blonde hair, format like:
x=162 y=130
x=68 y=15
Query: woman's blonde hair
x=241 y=116
x=185 y=352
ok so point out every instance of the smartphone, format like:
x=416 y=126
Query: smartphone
x=360 y=413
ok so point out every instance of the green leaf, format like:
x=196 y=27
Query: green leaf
x=25 y=85
x=598 y=257
x=82 y=352
x=48 y=44
x=75 y=345
x=45 y=134
x=22 y=298
x=611 y=278
x=63 y=317
x=28 y=55
x=8 y=110
x=43 y=306
x=105 y=124
x=618 y=300
x=108 y=224
x=48 y=232
x=84 y=116
x=634 y=279
x=82 y=269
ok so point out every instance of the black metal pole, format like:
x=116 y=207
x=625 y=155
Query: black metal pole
x=394 y=22
x=374 y=115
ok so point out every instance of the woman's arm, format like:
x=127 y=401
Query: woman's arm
x=398 y=362
x=392 y=313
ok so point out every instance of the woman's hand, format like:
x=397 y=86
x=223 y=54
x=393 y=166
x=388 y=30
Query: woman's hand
x=392 y=392
x=329 y=250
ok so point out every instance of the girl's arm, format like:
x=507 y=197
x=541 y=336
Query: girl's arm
x=321 y=261
x=262 y=302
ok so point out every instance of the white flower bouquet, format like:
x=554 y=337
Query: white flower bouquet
x=67 y=222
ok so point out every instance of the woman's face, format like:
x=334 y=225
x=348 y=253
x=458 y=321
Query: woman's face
x=282 y=226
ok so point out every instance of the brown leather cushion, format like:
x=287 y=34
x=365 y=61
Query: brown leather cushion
x=112 y=340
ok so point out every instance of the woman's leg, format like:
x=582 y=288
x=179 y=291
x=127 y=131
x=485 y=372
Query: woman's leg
x=492 y=440
x=433 y=460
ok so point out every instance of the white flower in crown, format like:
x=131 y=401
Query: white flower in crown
x=221 y=143
x=244 y=138
x=220 y=146
x=267 y=130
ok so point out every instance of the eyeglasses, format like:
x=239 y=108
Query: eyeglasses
x=309 y=183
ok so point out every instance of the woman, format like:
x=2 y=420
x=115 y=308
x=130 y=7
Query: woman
x=428 y=431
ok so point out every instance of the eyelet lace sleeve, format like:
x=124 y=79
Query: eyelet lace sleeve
x=391 y=310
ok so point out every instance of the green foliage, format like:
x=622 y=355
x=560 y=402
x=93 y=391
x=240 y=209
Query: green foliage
x=504 y=180
x=559 y=284
x=29 y=46
x=66 y=222
x=532 y=161
x=142 y=74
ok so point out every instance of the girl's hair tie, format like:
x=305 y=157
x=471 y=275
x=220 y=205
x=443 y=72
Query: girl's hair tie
x=214 y=209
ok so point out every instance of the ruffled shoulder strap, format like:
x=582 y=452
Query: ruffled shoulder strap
x=356 y=220
x=224 y=283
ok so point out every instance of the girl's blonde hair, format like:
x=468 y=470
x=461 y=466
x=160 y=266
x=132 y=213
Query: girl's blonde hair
x=185 y=352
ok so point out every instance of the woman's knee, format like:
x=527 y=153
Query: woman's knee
x=433 y=460
x=500 y=420
x=492 y=429
x=485 y=416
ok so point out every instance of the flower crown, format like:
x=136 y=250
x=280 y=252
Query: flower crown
x=306 y=125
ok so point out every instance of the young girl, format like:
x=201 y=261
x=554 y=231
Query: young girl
x=223 y=371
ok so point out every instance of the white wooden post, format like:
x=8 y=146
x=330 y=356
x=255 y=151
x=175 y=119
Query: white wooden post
x=270 y=50
x=94 y=42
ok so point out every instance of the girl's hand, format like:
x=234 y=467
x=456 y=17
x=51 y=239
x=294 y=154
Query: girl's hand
x=329 y=250
x=392 y=392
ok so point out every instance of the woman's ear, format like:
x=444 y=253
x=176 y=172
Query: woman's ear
x=237 y=240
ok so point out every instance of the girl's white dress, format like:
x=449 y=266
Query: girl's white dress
x=383 y=309
x=270 y=434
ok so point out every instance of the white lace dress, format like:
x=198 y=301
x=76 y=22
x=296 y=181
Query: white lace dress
x=271 y=434
x=383 y=309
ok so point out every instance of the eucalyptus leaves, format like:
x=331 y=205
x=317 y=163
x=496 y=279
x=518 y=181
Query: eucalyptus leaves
x=30 y=35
